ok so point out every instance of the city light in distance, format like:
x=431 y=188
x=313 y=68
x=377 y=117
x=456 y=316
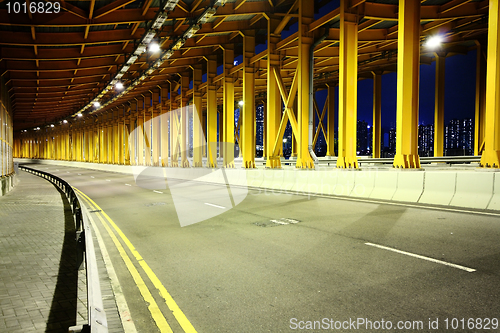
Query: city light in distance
x=154 y=47
x=434 y=42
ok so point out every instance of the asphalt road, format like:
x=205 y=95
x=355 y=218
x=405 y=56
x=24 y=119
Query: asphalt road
x=241 y=272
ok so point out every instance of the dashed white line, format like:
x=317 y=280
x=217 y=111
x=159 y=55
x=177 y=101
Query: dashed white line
x=216 y=206
x=157 y=192
x=108 y=180
x=92 y=177
x=79 y=174
x=467 y=269
x=128 y=185
x=280 y=222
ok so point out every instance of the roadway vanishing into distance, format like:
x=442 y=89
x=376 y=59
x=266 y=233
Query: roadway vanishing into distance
x=241 y=272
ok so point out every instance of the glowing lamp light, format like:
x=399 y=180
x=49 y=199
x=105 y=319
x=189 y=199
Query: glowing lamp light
x=51 y=125
x=65 y=121
x=241 y=103
x=434 y=42
x=80 y=115
x=119 y=85
x=154 y=47
x=96 y=104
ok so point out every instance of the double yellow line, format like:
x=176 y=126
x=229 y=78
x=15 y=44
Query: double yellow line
x=155 y=311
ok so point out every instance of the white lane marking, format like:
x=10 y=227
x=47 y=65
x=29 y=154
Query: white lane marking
x=79 y=174
x=279 y=222
x=128 y=185
x=291 y=221
x=157 y=192
x=67 y=171
x=92 y=177
x=467 y=269
x=206 y=203
x=108 y=180
x=57 y=169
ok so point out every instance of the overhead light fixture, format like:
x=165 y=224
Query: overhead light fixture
x=192 y=30
x=220 y=2
x=119 y=75
x=149 y=36
x=178 y=44
x=96 y=104
x=80 y=115
x=140 y=50
x=207 y=14
x=168 y=54
x=65 y=121
x=434 y=42
x=241 y=103
x=154 y=47
x=51 y=125
x=158 y=23
x=119 y=85
x=131 y=60
x=170 y=5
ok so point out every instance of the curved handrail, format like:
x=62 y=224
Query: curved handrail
x=97 y=321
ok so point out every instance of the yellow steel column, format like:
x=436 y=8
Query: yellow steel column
x=439 y=105
x=348 y=89
x=102 y=139
x=116 y=141
x=294 y=137
x=479 y=124
x=211 y=112
x=273 y=106
x=146 y=130
x=119 y=135
x=164 y=126
x=377 y=114
x=306 y=16
x=197 y=115
x=127 y=124
x=133 y=132
x=408 y=81
x=491 y=154
x=174 y=133
x=155 y=135
x=331 y=121
x=109 y=137
x=140 y=132
x=184 y=120
x=228 y=108
x=247 y=112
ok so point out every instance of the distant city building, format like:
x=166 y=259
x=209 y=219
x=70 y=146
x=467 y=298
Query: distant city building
x=459 y=137
x=392 y=141
x=364 y=138
x=426 y=140
x=259 y=140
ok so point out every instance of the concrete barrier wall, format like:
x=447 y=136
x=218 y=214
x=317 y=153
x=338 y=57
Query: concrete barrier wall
x=386 y=183
x=439 y=187
x=473 y=189
x=410 y=186
x=7 y=183
x=470 y=189
x=495 y=199
x=364 y=182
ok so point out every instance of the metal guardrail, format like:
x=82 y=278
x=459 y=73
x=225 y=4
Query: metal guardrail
x=97 y=322
x=388 y=160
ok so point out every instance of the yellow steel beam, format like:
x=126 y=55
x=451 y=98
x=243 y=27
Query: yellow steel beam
x=491 y=154
x=377 y=115
x=321 y=116
x=407 y=90
x=247 y=112
x=228 y=106
x=184 y=120
x=273 y=105
x=164 y=126
x=331 y=121
x=211 y=112
x=197 y=114
x=480 y=98
x=348 y=86
x=439 y=105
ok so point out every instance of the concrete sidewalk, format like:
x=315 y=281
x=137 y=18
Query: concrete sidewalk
x=40 y=288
